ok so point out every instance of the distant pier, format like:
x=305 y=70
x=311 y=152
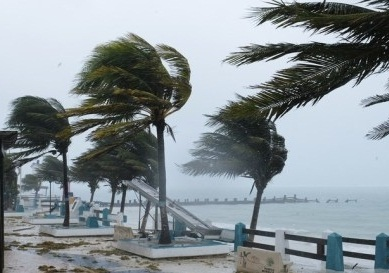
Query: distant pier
x=286 y=199
x=226 y=201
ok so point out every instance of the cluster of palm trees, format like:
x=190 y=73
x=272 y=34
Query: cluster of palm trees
x=130 y=87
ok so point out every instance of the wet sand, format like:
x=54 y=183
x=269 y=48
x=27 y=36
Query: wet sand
x=29 y=251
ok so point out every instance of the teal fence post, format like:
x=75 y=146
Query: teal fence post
x=81 y=210
x=382 y=251
x=240 y=237
x=92 y=222
x=334 y=252
x=19 y=208
x=62 y=209
x=179 y=228
x=105 y=220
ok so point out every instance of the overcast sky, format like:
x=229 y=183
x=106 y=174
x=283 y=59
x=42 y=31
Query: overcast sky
x=44 y=44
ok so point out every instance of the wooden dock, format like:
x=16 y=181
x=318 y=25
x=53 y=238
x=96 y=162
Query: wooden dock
x=225 y=201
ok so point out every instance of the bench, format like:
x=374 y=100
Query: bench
x=92 y=217
x=255 y=260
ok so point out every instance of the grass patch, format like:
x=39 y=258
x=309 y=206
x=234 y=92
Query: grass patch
x=153 y=267
x=50 y=269
x=47 y=246
x=89 y=270
x=109 y=252
x=18 y=234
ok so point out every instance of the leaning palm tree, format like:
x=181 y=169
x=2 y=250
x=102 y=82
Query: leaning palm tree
x=50 y=170
x=38 y=122
x=31 y=182
x=87 y=172
x=129 y=86
x=246 y=146
x=134 y=159
x=319 y=68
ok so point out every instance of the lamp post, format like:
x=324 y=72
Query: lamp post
x=7 y=139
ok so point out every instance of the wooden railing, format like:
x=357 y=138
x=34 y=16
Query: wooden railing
x=334 y=242
x=320 y=247
x=320 y=244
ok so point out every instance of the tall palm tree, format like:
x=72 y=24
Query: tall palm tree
x=38 y=122
x=131 y=85
x=246 y=146
x=318 y=68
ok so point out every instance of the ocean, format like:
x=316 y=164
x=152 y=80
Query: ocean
x=366 y=216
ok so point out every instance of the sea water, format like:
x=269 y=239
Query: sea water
x=365 y=216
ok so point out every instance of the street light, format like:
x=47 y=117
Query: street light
x=7 y=139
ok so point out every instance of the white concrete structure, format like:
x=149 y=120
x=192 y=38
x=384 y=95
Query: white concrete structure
x=180 y=247
x=255 y=260
x=33 y=220
x=76 y=231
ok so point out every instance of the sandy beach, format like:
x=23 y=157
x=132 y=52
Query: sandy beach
x=28 y=251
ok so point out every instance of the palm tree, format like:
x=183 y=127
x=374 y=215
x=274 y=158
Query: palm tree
x=31 y=182
x=50 y=170
x=87 y=172
x=131 y=85
x=134 y=159
x=247 y=146
x=319 y=68
x=38 y=122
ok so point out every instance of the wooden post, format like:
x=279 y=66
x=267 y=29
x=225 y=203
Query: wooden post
x=382 y=252
x=334 y=252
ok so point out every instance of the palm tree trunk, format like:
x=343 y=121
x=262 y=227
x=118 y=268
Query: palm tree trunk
x=124 y=193
x=36 y=201
x=112 y=200
x=146 y=216
x=165 y=234
x=254 y=218
x=92 y=194
x=66 y=220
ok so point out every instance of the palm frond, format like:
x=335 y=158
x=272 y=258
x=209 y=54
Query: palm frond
x=38 y=122
x=379 y=4
x=379 y=132
x=320 y=69
x=375 y=100
x=354 y=23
